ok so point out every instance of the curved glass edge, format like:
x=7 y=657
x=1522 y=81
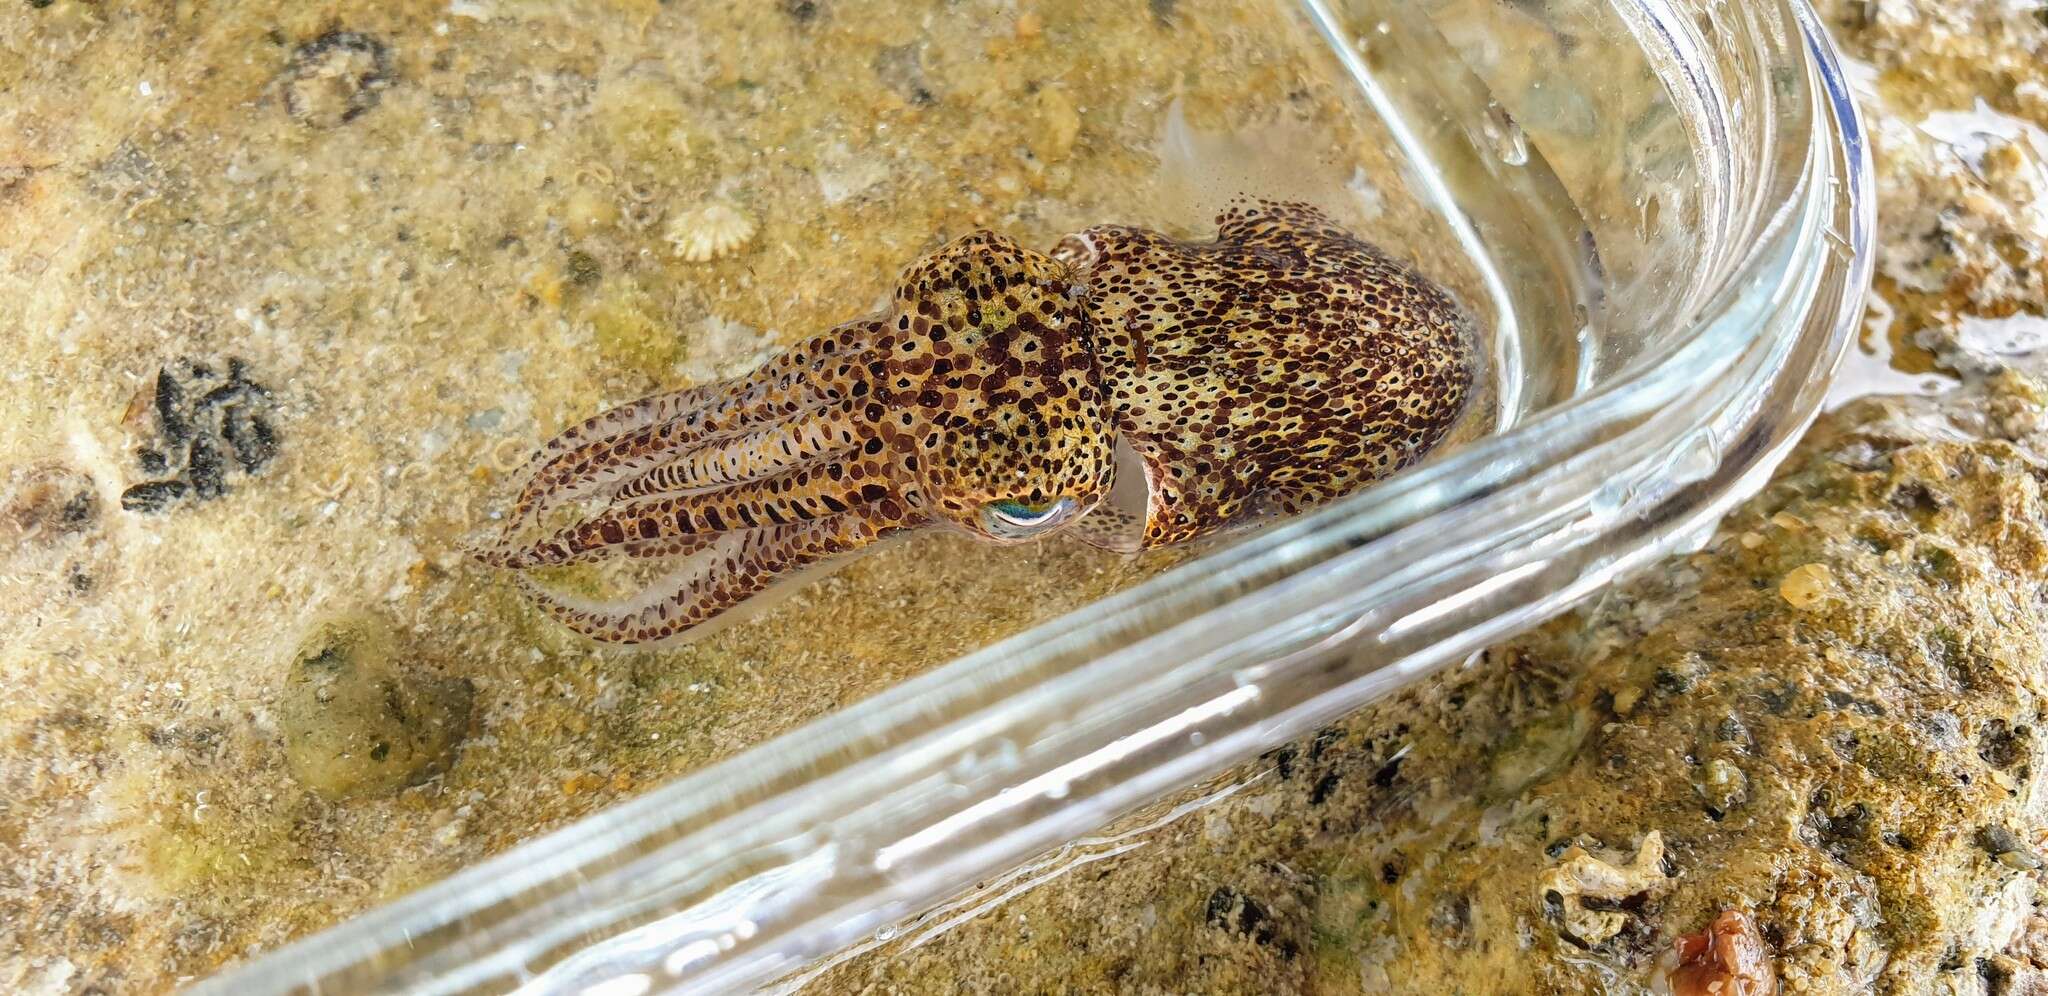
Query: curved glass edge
x=746 y=871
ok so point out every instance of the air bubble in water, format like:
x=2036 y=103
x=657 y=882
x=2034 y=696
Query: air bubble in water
x=1509 y=142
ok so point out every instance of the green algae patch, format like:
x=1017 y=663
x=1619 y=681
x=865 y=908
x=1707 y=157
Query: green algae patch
x=629 y=334
x=645 y=121
x=185 y=856
x=355 y=724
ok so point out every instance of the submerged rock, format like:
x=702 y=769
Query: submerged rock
x=356 y=723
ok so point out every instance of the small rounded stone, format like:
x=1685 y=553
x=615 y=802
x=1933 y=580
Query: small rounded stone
x=355 y=723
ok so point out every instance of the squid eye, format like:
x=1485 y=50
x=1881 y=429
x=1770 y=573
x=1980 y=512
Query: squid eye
x=1013 y=519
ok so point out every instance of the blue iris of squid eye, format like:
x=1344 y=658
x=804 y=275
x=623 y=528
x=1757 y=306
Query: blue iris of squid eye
x=1023 y=512
x=1013 y=519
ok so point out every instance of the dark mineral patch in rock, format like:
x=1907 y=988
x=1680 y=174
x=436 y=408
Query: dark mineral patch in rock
x=334 y=78
x=584 y=269
x=251 y=437
x=2000 y=745
x=1843 y=833
x=2007 y=847
x=208 y=424
x=1229 y=909
x=1283 y=760
x=1323 y=787
x=205 y=471
x=901 y=68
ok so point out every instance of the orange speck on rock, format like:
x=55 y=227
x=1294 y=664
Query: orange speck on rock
x=1729 y=958
x=1788 y=522
x=1806 y=585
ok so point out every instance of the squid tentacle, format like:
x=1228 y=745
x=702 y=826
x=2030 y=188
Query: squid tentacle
x=661 y=548
x=749 y=454
x=801 y=494
x=643 y=453
x=732 y=569
x=586 y=469
x=799 y=378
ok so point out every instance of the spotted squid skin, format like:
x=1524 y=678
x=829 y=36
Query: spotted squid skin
x=1281 y=365
x=1287 y=360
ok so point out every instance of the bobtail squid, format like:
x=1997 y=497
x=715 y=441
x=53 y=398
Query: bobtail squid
x=1007 y=393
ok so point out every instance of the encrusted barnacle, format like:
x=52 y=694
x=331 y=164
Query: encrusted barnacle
x=334 y=78
x=205 y=418
x=45 y=502
x=1129 y=389
x=1588 y=895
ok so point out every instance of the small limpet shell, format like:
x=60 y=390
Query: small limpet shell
x=711 y=231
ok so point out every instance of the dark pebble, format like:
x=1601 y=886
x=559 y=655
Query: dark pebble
x=205 y=470
x=171 y=419
x=153 y=496
x=251 y=436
